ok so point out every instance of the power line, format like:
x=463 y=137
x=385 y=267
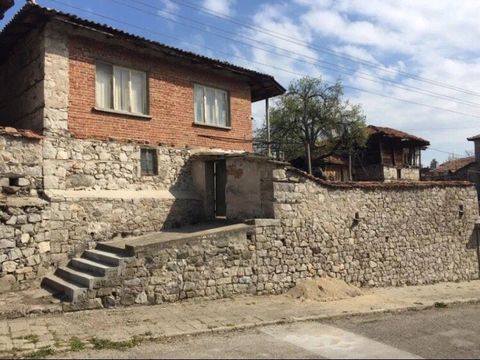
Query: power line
x=316 y=62
x=264 y=64
x=318 y=48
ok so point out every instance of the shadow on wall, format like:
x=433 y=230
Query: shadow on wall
x=474 y=244
x=187 y=207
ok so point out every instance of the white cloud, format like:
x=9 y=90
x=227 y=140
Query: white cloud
x=434 y=40
x=170 y=7
x=224 y=7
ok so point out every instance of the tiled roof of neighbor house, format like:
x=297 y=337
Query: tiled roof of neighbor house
x=333 y=160
x=29 y=134
x=397 y=134
x=4 y=6
x=373 y=185
x=32 y=16
x=476 y=137
x=454 y=165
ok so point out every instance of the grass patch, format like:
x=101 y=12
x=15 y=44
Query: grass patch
x=440 y=305
x=104 y=344
x=76 y=344
x=41 y=353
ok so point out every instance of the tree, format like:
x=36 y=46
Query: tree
x=313 y=119
x=433 y=164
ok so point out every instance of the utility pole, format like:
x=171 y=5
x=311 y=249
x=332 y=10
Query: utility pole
x=309 y=159
x=350 y=165
x=267 y=119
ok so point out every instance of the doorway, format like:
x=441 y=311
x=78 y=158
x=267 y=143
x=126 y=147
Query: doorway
x=216 y=174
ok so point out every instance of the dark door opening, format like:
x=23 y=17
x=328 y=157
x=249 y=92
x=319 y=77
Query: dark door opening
x=218 y=181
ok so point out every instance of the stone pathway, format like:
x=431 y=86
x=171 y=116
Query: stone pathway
x=127 y=326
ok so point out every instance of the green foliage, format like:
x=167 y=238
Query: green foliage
x=76 y=344
x=41 y=353
x=440 y=305
x=100 y=344
x=313 y=112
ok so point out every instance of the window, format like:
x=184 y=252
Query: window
x=211 y=106
x=148 y=162
x=121 y=89
x=411 y=156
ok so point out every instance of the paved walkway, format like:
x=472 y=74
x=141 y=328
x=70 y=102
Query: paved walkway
x=127 y=326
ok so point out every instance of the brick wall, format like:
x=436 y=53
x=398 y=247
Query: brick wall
x=170 y=101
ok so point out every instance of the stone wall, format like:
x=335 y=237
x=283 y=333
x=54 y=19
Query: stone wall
x=22 y=79
x=379 y=235
x=56 y=89
x=20 y=162
x=78 y=164
x=97 y=191
x=91 y=191
x=23 y=249
x=372 y=234
x=391 y=173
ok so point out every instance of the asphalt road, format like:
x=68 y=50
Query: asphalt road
x=452 y=332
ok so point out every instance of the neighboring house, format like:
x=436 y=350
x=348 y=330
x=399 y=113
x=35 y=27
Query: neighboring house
x=332 y=168
x=4 y=6
x=455 y=169
x=389 y=154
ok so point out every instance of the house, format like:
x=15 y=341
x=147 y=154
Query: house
x=389 y=154
x=455 y=169
x=131 y=136
x=332 y=167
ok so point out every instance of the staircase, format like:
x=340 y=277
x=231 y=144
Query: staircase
x=72 y=282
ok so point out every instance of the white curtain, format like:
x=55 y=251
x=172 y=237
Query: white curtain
x=222 y=107
x=103 y=86
x=210 y=104
x=121 y=93
x=138 y=94
x=199 y=104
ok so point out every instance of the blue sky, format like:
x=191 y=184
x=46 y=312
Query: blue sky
x=421 y=51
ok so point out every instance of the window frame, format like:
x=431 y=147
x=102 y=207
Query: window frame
x=98 y=107
x=228 y=125
x=154 y=172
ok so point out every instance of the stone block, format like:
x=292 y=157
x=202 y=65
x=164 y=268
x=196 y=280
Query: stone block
x=44 y=247
x=5 y=244
x=9 y=266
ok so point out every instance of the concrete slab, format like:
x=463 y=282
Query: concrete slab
x=175 y=236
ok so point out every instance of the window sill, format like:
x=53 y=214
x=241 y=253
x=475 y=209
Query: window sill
x=125 y=113
x=213 y=126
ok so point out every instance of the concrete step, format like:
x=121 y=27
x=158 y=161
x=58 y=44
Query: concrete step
x=112 y=248
x=90 y=267
x=103 y=257
x=75 y=276
x=57 y=285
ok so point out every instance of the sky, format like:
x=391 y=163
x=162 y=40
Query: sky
x=423 y=52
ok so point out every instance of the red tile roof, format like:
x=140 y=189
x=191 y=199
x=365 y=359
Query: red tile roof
x=454 y=165
x=373 y=185
x=29 y=134
x=397 y=134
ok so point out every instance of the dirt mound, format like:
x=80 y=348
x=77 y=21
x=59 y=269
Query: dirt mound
x=323 y=289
